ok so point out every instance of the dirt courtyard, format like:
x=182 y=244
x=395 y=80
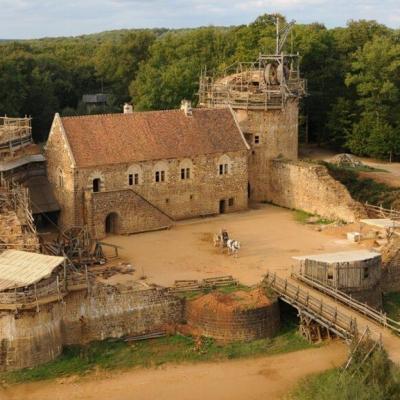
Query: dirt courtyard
x=269 y=236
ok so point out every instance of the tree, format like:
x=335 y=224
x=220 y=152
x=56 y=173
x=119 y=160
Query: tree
x=375 y=75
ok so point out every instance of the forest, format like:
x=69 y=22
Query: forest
x=353 y=74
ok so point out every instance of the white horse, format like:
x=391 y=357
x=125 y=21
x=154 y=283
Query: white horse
x=233 y=247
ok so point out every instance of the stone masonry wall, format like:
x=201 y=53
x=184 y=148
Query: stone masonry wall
x=134 y=214
x=309 y=187
x=58 y=161
x=109 y=313
x=179 y=199
x=29 y=338
x=277 y=132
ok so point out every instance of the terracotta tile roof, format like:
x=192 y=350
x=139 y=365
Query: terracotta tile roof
x=124 y=138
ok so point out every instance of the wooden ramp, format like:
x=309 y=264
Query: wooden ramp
x=313 y=308
x=341 y=317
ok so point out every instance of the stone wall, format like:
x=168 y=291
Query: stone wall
x=30 y=338
x=309 y=187
x=277 y=132
x=175 y=198
x=132 y=213
x=59 y=162
x=107 y=312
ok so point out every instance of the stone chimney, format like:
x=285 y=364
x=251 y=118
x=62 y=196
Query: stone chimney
x=128 y=108
x=186 y=106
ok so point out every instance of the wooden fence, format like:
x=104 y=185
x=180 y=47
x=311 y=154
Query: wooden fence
x=346 y=299
x=381 y=212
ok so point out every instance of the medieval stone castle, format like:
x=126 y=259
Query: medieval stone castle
x=140 y=171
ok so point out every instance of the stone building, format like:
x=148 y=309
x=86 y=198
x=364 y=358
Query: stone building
x=265 y=98
x=133 y=172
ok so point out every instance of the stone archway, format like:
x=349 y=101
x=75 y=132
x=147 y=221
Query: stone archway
x=111 y=223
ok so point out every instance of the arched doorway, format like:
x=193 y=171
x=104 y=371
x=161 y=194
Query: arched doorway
x=112 y=223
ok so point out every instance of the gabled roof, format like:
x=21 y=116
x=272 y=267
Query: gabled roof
x=97 y=140
x=21 y=268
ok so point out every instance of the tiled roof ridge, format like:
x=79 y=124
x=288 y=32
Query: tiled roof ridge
x=137 y=112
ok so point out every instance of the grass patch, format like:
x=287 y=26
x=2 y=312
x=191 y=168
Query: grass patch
x=303 y=217
x=375 y=379
x=391 y=305
x=114 y=355
x=362 y=168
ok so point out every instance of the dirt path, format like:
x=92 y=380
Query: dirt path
x=251 y=379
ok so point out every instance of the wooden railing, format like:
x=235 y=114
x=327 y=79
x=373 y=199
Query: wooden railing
x=346 y=299
x=381 y=212
x=324 y=314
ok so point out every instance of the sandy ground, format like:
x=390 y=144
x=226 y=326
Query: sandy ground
x=269 y=236
x=266 y=378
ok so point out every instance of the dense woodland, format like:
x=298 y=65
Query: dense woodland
x=353 y=76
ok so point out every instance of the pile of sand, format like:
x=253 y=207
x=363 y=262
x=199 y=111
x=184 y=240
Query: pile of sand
x=232 y=301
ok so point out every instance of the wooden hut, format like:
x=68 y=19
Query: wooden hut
x=346 y=271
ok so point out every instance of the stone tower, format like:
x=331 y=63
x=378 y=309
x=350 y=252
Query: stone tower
x=265 y=97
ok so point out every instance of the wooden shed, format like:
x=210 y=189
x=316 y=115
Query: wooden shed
x=348 y=270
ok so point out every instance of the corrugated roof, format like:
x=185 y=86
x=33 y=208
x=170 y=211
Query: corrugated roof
x=341 y=256
x=21 y=268
x=97 y=140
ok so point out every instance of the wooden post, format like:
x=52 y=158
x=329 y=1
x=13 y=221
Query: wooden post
x=37 y=303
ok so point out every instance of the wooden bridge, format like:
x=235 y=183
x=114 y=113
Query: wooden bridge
x=311 y=308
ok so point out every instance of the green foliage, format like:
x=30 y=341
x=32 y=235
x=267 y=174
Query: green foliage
x=375 y=74
x=375 y=379
x=352 y=72
x=391 y=305
x=303 y=217
x=111 y=355
x=365 y=190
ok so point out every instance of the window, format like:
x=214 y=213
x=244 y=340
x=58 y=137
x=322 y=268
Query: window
x=96 y=185
x=185 y=173
x=231 y=202
x=256 y=139
x=133 y=179
x=60 y=179
x=224 y=165
x=160 y=176
x=366 y=273
x=223 y=169
x=166 y=201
